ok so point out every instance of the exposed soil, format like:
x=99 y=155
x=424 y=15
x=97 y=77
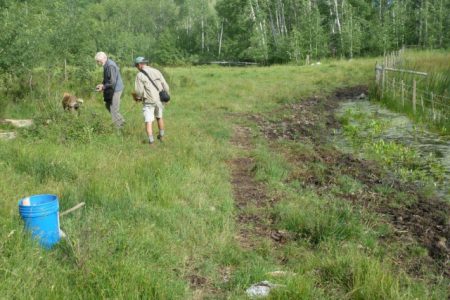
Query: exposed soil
x=250 y=193
x=196 y=281
x=201 y=286
x=427 y=220
x=311 y=122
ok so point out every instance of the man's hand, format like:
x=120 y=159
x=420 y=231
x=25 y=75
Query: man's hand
x=99 y=87
x=136 y=97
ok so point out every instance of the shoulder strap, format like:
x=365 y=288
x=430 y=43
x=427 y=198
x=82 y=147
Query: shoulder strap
x=145 y=73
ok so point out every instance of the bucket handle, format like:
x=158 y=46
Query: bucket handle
x=79 y=205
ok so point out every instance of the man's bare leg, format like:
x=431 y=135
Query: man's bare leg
x=149 y=129
x=161 y=128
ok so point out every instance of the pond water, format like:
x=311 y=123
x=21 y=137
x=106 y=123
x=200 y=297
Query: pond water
x=402 y=130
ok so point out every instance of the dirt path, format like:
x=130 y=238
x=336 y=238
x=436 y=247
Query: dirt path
x=311 y=121
x=254 y=224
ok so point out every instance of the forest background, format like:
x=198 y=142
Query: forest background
x=175 y=32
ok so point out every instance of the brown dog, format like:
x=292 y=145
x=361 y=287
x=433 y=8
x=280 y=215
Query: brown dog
x=70 y=102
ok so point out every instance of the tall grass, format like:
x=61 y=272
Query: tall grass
x=159 y=223
x=432 y=91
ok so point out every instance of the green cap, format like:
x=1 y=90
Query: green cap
x=140 y=60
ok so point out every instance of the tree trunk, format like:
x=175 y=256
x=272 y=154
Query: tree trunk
x=441 y=27
x=272 y=25
x=351 y=34
x=338 y=23
x=203 y=36
x=220 y=39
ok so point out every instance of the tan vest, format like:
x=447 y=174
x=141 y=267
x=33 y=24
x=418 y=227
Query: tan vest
x=145 y=89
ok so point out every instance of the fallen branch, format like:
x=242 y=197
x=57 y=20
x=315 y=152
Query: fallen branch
x=79 y=205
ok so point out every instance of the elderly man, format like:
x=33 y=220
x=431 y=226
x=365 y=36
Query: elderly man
x=112 y=87
x=148 y=92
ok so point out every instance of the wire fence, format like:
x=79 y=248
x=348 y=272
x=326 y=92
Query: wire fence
x=403 y=87
x=419 y=102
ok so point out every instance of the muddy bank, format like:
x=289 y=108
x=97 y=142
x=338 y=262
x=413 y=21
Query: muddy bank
x=310 y=122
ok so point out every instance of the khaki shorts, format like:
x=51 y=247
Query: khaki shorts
x=151 y=111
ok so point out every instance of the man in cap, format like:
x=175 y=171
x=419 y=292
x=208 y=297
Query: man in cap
x=112 y=87
x=148 y=92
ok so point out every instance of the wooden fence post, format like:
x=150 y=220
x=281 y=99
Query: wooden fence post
x=393 y=86
x=414 y=96
x=432 y=106
x=379 y=76
x=403 y=93
x=386 y=80
x=421 y=102
x=383 y=73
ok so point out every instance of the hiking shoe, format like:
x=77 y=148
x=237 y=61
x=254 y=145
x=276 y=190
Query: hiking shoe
x=160 y=138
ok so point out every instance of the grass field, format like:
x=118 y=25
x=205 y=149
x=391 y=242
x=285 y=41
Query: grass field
x=163 y=223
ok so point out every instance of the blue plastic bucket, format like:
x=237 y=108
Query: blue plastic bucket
x=41 y=216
